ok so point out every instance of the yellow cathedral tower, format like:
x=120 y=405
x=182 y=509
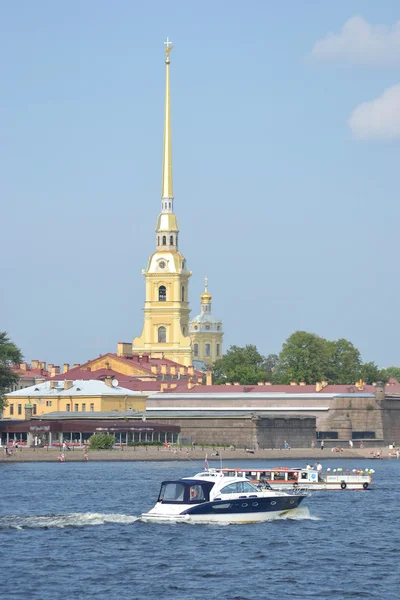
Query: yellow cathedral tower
x=166 y=309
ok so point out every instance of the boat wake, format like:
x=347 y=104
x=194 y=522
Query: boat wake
x=61 y=521
x=298 y=514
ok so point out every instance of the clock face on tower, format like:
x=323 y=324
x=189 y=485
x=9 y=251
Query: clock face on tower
x=161 y=264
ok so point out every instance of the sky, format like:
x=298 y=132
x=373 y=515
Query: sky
x=286 y=138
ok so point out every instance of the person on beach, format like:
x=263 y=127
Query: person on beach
x=85 y=455
x=351 y=443
x=61 y=458
x=322 y=444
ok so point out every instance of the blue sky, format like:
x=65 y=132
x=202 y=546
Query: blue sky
x=286 y=146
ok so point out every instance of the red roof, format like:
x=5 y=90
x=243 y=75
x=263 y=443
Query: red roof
x=145 y=362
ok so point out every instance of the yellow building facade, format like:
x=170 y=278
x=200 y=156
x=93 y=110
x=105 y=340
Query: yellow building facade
x=166 y=309
x=206 y=332
x=79 y=396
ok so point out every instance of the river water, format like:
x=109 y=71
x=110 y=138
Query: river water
x=71 y=530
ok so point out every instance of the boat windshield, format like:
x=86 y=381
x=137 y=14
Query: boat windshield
x=239 y=487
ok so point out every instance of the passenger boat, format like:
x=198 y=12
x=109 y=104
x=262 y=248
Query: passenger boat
x=212 y=496
x=285 y=478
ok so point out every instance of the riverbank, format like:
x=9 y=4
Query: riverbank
x=184 y=454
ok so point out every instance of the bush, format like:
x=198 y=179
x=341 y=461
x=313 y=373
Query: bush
x=101 y=441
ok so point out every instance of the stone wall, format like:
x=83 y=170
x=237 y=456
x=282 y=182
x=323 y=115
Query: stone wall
x=391 y=420
x=298 y=432
x=348 y=415
x=247 y=431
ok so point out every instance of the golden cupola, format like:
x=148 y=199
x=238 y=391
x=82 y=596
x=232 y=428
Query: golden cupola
x=205 y=297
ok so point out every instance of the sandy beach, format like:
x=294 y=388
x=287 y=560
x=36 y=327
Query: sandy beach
x=184 y=454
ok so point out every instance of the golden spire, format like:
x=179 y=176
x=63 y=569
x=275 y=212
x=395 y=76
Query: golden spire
x=166 y=186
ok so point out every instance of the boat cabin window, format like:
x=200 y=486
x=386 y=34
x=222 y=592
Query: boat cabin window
x=304 y=476
x=280 y=475
x=172 y=492
x=196 y=493
x=238 y=488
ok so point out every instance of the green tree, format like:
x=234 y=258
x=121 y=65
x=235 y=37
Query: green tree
x=9 y=354
x=101 y=441
x=242 y=365
x=304 y=357
x=344 y=364
x=392 y=372
x=371 y=374
x=269 y=365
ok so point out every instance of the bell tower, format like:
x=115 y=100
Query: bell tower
x=166 y=309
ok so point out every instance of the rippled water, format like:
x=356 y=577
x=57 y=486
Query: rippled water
x=72 y=530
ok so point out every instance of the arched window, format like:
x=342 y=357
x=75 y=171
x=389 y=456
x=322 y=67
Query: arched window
x=183 y=293
x=158 y=240
x=171 y=240
x=170 y=204
x=162 y=335
x=208 y=349
x=196 y=349
x=184 y=330
x=218 y=349
x=162 y=293
x=164 y=240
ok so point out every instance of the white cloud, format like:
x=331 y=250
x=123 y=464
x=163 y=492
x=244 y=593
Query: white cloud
x=361 y=43
x=378 y=119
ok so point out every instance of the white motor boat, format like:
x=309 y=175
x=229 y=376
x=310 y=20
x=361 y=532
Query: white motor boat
x=210 y=496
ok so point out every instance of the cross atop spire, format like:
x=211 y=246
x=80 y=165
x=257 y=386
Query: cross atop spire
x=168 y=48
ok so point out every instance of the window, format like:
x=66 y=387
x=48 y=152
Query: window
x=172 y=492
x=164 y=240
x=34 y=409
x=11 y=409
x=92 y=407
x=68 y=407
x=162 y=293
x=171 y=240
x=76 y=408
x=162 y=335
x=170 y=204
x=48 y=402
x=184 y=330
x=183 y=293
x=83 y=407
x=196 y=493
x=239 y=488
x=208 y=327
x=196 y=349
x=218 y=349
x=20 y=409
x=208 y=349
x=158 y=240
x=363 y=435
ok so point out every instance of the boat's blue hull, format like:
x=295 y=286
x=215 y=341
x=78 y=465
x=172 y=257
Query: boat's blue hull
x=245 y=506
